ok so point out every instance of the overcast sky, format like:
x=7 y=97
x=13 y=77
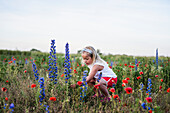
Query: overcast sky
x=132 y=27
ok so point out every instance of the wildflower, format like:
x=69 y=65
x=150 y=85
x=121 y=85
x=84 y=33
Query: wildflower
x=150 y=111
x=112 y=90
x=52 y=99
x=136 y=64
x=62 y=75
x=4 y=89
x=128 y=90
x=162 y=80
x=132 y=66
x=110 y=67
x=149 y=99
x=33 y=85
x=138 y=77
x=6 y=98
x=141 y=73
x=127 y=78
x=25 y=71
x=156 y=75
x=115 y=96
x=67 y=63
x=7 y=81
x=97 y=86
x=141 y=84
x=143 y=105
x=53 y=69
x=149 y=87
x=84 y=86
x=75 y=71
x=125 y=64
x=36 y=74
x=79 y=83
x=168 y=90
x=125 y=81
x=123 y=85
x=11 y=106
x=42 y=92
x=160 y=87
x=156 y=58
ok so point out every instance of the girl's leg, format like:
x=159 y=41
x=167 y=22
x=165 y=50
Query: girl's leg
x=103 y=88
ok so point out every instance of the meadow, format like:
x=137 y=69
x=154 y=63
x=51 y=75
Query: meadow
x=37 y=82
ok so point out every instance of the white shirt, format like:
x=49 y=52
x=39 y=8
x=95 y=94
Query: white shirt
x=106 y=71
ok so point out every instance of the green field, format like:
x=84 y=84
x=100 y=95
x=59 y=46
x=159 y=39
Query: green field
x=17 y=75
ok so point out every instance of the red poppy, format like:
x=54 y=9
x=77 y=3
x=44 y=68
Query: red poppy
x=97 y=86
x=75 y=71
x=33 y=85
x=6 y=98
x=162 y=80
x=79 y=83
x=125 y=81
x=168 y=90
x=62 y=75
x=123 y=85
x=137 y=65
x=4 y=89
x=160 y=87
x=7 y=81
x=129 y=65
x=128 y=90
x=127 y=78
x=115 y=96
x=52 y=99
x=110 y=67
x=25 y=71
x=150 y=111
x=141 y=73
x=125 y=64
x=138 y=77
x=132 y=66
x=156 y=75
x=112 y=90
x=149 y=99
x=139 y=62
x=147 y=93
x=120 y=64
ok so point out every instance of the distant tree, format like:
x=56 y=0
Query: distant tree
x=33 y=49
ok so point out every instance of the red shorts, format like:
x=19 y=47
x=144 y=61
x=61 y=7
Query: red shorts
x=111 y=82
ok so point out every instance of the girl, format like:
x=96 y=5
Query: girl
x=96 y=66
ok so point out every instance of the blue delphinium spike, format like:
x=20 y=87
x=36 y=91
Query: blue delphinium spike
x=42 y=91
x=149 y=87
x=52 y=63
x=136 y=64
x=36 y=74
x=156 y=58
x=84 y=86
x=11 y=107
x=67 y=64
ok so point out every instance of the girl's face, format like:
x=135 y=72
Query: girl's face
x=86 y=58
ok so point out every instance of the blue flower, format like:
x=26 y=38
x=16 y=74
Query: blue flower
x=136 y=64
x=149 y=87
x=35 y=71
x=156 y=58
x=11 y=106
x=143 y=105
x=42 y=92
x=84 y=86
x=67 y=64
x=52 y=63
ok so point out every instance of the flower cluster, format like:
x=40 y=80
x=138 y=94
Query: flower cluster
x=149 y=87
x=67 y=64
x=141 y=85
x=42 y=91
x=46 y=108
x=36 y=74
x=136 y=62
x=11 y=107
x=52 y=63
x=156 y=58
x=84 y=86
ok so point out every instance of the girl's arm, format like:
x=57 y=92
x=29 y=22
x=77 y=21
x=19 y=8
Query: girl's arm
x=93 y=72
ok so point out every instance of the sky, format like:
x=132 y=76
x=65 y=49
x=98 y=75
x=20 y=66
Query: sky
x=131 y=27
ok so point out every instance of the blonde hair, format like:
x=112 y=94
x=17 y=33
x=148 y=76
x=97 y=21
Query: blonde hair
x=93 y=54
